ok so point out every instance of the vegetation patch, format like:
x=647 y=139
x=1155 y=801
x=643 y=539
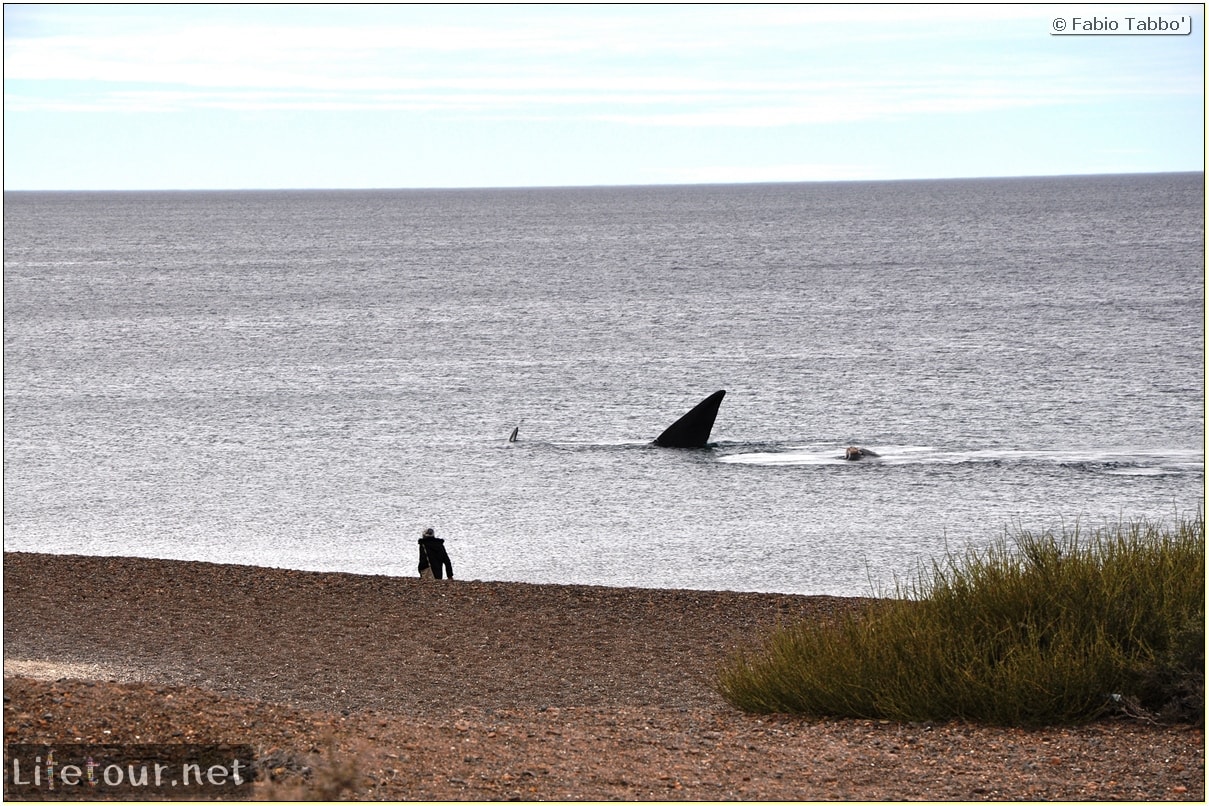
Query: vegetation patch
x=1039 y=629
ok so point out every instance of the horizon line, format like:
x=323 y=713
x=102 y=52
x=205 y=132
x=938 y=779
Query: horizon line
x=302 y=189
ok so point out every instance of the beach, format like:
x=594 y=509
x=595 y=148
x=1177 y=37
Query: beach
x=405 y=689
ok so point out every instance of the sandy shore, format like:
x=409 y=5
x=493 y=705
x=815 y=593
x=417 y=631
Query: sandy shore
x=479 y=690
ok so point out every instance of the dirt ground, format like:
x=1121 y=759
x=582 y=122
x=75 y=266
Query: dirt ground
x=385 y=688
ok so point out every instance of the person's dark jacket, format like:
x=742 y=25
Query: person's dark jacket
x=432 y=552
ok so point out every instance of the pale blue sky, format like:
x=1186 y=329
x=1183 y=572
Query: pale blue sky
x=345 y=96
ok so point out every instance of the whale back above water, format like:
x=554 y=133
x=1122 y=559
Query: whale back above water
x=693 y=429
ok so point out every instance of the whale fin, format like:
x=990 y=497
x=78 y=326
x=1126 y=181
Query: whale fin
x=692 y=430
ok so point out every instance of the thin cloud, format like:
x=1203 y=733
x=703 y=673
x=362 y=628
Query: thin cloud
x=666 y=100
x=738 y=57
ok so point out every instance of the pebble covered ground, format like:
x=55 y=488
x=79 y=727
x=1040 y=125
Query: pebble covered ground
x=386 y=688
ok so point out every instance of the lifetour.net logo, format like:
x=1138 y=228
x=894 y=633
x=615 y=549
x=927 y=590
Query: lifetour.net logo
x=110 y=771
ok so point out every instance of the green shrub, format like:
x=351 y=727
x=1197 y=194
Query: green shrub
x=1038 y=630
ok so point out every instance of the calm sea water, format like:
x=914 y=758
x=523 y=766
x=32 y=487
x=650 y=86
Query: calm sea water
x=307 y=379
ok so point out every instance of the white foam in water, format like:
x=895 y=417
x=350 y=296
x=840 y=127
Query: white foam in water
x=1120 y=462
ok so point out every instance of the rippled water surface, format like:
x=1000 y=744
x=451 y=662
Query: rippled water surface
x=306 y=379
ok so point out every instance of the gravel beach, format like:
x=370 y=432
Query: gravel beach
x=391 y=688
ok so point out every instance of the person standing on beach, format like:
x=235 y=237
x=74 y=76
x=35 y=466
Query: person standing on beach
x=433 y=556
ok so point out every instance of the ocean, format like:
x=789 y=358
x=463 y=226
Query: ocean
x=307 y=379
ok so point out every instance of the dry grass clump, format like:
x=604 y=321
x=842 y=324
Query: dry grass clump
x=1041 y=630
x=325 y=775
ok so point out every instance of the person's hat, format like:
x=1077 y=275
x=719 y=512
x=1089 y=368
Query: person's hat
x=429 y=532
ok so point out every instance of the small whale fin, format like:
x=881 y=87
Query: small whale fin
x=692 y=430
x=515 y=432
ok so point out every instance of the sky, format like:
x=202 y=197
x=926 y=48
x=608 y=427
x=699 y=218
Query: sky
x=191 y=96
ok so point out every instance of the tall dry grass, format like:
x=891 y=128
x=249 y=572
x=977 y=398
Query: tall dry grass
x=1039 y=629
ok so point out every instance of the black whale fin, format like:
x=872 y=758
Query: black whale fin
x=692 y=430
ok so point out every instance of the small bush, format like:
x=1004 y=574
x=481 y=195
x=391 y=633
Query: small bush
x=1039 y=630
x=325 y=775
